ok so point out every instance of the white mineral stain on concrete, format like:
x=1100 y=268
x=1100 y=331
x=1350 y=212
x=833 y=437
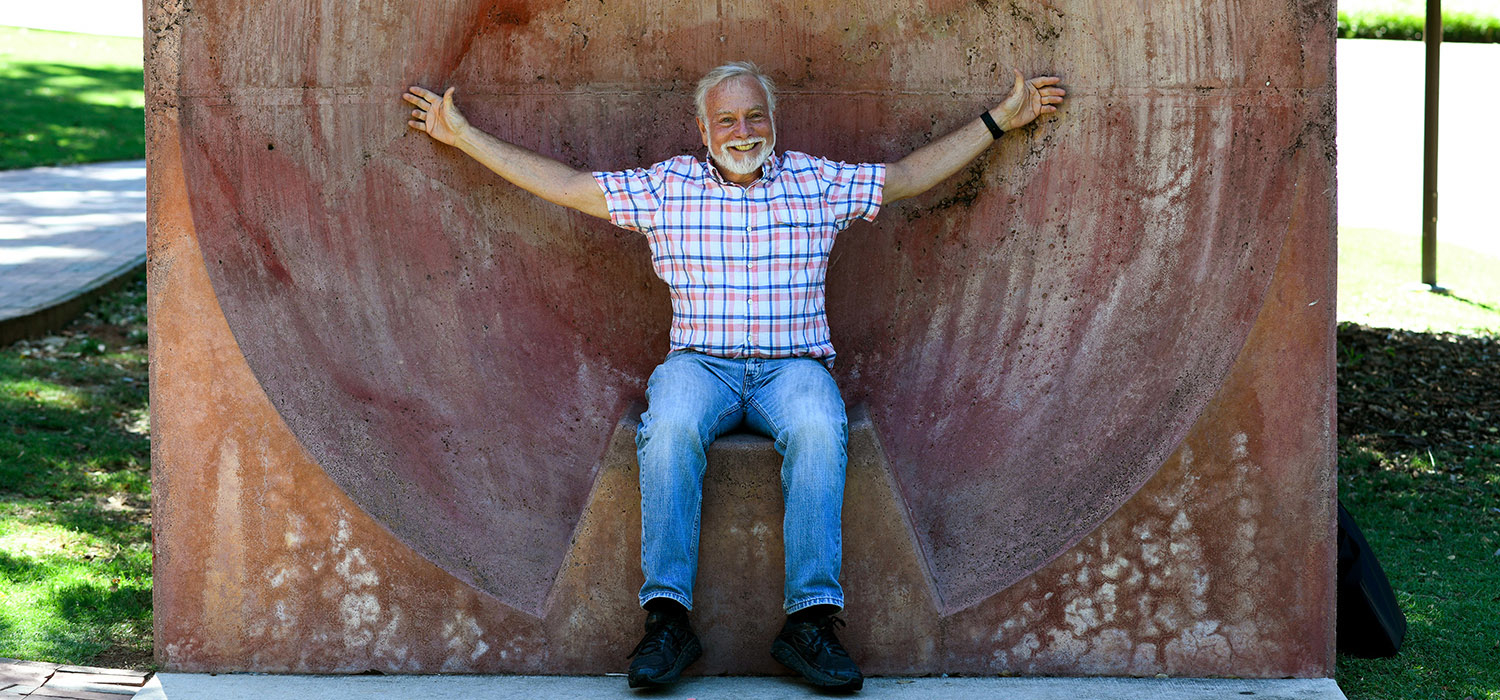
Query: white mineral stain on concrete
x=1080 y=615
x=387 y=646
x=1240 y=444
x=224 y=575
x=357 y=611
x=341 y=536
x=355 y=570
x=1158 y=608
x=461 y=636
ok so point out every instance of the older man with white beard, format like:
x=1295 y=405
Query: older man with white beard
x=742 y=240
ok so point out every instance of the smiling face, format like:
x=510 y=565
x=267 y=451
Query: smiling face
x=738 y=130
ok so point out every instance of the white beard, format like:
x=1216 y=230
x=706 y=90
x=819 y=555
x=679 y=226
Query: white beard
x=743 y=165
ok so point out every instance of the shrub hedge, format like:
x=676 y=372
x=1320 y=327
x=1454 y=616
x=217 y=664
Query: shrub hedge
x=1458 y=25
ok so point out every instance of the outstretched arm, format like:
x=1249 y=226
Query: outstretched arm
x=542 y=176
x=933 y=163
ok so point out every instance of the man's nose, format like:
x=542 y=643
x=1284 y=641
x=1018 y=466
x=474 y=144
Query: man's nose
x=742 y=129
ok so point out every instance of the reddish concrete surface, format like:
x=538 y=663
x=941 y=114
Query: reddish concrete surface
x=385 y=384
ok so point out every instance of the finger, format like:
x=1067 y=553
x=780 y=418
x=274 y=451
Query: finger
x=413 y=99
x=419 y=114
x=416 y=124
x=423 y=92
x=1048 y=109
x=1020 y=80
x=448 y=97
x=1044 y=80
x=1053 y=91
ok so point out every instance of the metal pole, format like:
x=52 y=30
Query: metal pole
x=1433 y=38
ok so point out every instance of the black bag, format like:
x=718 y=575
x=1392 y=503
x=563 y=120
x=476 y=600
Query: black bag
x=1370 y=622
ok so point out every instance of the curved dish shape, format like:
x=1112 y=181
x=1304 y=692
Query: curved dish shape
x=1033 y=337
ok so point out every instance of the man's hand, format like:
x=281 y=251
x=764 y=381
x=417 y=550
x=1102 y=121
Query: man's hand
x=539 y=175
x=1028 y=100
x=435 y=114
x=937 y=161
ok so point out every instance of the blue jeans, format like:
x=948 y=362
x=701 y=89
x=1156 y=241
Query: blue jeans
x=692 y=399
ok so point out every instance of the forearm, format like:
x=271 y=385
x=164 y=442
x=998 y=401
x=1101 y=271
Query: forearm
x=544 y=177
x=935 y=162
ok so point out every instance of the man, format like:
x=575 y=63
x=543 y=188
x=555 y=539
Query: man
x=742 y=240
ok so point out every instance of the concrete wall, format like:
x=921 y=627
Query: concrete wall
x=392 y=394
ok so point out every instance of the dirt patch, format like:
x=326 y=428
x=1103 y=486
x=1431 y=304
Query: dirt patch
x=1403 y=390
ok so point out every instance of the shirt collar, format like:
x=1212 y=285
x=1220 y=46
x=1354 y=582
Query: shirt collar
x=768 y=170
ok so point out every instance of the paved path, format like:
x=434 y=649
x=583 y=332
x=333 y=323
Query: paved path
x=64 y=231
x=20 y=679
x=183 y=686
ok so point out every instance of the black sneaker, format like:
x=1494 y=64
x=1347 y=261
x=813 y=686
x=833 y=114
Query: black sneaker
x=668 y=647
x=813 y=650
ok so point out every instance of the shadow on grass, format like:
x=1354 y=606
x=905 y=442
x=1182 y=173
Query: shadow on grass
x=1471 y=302
x=61 y=453
x=59 y=113
x=71 y=609
x=1419 y=468
x=92 y=603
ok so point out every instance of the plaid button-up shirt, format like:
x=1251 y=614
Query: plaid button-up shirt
x=745 y=265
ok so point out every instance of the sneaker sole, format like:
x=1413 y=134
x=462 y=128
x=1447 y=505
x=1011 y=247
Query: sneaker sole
x=788 y=657
x=690 y=653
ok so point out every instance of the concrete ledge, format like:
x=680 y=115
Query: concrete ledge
x=193 y=686
x=58 y=312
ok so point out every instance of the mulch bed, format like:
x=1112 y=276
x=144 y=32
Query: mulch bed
x=1405 y=391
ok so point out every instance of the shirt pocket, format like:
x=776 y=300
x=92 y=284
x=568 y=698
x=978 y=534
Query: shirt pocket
x=802 y=238
x=802 y=213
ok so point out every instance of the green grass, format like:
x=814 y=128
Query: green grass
x=1432 y=517
x=1378 y=268
x=1434 y=523
x=69 y=98
x=75 y=528
x=1463 y=20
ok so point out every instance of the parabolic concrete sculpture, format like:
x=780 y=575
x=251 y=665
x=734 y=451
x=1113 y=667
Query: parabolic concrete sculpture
x=392 y=395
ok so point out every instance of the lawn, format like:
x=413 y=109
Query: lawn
x=1419 y=458
x=75 y=518
x=1378 y=271
x=69 y=98
x=1419 y=468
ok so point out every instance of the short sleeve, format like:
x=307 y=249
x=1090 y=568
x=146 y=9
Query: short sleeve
x=633 y=196
x=854 y=191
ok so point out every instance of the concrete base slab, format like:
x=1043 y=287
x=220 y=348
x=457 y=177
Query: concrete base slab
x=193 y=686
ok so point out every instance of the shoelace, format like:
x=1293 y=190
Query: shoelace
x=654 y=640
x=821 y=636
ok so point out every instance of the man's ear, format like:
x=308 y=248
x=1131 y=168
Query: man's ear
x=702 y=131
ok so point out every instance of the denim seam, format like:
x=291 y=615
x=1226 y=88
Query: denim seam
x=817 y=600
x=779 y=442
x=717 y=428
x=775 y=429
x=668 y=595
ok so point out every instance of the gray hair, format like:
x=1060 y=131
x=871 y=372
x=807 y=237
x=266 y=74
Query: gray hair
x=729 y=70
